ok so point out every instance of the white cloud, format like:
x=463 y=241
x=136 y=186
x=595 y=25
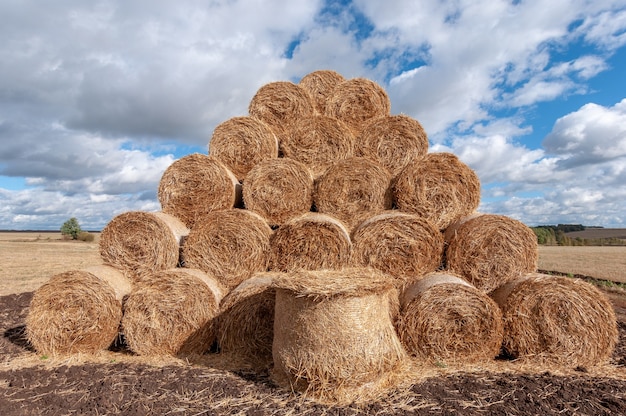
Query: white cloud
x=91 y=94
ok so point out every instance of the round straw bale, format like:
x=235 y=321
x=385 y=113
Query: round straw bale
x=195 y=185
x=171 y=312
x=320 y=84
x=357 y=100
x=311 y=241
x=438 y=186
x=490 y=250
x=352 y=190
x=278 y=189
x=443 y=318
x=334 y=337
x=139 y=241
x=394 y=141
x=246 y=323
x=241 y=143
x=280 y=104
x=400 y=244
x=318 y=141
x=78 y=311
x=556 y=320
x=231 y=245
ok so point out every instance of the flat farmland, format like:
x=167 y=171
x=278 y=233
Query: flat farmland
x=29 y=259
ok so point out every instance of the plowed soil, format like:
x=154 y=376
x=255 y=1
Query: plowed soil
x=120 y=384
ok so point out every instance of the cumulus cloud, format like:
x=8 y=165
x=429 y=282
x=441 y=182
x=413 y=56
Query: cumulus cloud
x=93 y=95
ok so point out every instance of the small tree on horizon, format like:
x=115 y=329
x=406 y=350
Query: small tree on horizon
x=71 y=228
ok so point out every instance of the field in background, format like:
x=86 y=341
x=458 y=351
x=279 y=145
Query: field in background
x=29 y=259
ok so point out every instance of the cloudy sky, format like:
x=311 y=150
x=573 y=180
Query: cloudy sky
x=98 y=98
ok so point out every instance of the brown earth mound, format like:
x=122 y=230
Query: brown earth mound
x=135 y=388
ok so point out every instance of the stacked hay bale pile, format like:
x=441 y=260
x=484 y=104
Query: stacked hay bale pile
x=319 y=237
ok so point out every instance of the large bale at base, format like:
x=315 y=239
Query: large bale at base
x=320 y=84
x=278 y=190
x=318 y=141
x=439 y=187
x=195 y=185
x=231 y=245
x=78 y=311
x=245 y=327
x=403 y=245
x=556 y=320
x=171 y=312
x=334 y=338
x=310 y=242
x=393 y=141
x=241 y=143
x=280 y=105
x=445 y=319
x=356 y=101
x=138 y=241
x=490 y=250
x=352 y=190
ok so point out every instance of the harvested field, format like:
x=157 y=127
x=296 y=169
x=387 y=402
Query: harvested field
x=601 y=262
x=118 y=382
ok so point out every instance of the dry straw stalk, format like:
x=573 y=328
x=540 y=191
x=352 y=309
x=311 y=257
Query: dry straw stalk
x=403 y=245
x=195 y=185
x=241 y=143
x=319 y=141
x=278 y=190
x=171 y=312
x=439 y=187
x=280 y=105
x=445 y=319
x=138 y=241
x=490 y=250
x=246 y=322
x=231 y=245
x=334 y=338
x=78 y=311
x=353 y=190
x=311 y=241
x=356 y=101
x=319 y=85
x=557 y=321
x=393 y=141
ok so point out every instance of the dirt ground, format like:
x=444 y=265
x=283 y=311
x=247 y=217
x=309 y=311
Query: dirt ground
x=119 y=384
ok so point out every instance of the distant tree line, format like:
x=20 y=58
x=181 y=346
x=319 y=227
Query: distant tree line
x=554 y=235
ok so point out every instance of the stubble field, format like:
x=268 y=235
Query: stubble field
x=118 y=382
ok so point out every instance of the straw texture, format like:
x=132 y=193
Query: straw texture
x=311 y=241
x=241 y=143
x=280 y=105
x=356 y=101
x=171 y=312
x=556 y=320
x=393 y=141
x=231 y=245
x=278 y=190
x=490 y=250
x=78 y=311
x=353 y=190
x=403 y=245
x=139 y=241
x=195 y=185
x=445 y=319
x=246 y=322
x=319 y=85
x=333 y=335
x=319 y=141
x=439 y=187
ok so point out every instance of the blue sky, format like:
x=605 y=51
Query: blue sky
x=98 y=98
